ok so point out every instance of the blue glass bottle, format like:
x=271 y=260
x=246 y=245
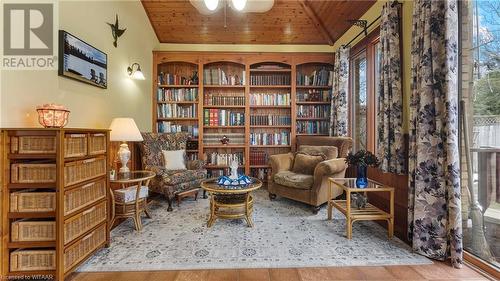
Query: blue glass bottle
x=361 y=176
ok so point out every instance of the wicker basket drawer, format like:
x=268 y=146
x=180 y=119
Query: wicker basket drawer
x=75 y=145
x=82 y=196
x=79 y=251
x=28 y=231
x=78 y=171
x=26 y=201
x=84 y=221
x=97 y=144
x=29 y=260
x=33 y=144
x=33 y=173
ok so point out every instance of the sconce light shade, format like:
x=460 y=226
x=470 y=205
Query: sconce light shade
x=135 y=74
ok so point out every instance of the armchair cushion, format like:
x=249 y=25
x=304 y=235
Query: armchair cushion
x=330 y=167
x=174 y=177
x=331 y=152
x=305 y=164
x=294 y=180
x=174 y=159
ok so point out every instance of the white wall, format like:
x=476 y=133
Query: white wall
x=22 y=91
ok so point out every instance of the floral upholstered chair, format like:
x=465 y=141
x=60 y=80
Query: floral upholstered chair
x=169 y=182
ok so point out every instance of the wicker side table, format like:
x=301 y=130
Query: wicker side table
x=132 y=209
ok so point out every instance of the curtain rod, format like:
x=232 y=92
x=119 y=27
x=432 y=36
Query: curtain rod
x=364 y=31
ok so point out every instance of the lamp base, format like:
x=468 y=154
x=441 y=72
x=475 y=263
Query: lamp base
x=124 y=156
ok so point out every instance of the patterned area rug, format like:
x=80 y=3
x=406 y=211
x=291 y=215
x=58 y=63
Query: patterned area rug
x=286 y=234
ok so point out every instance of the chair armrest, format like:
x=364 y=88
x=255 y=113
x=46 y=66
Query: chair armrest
x=329 y=167
x=158 y=170
x=195 y=164
x=280 y=162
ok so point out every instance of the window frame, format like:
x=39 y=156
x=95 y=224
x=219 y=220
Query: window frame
x=366 y=46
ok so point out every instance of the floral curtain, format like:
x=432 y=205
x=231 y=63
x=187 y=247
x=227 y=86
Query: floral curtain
x=391 y=149
x=339 y=111
x=434 y=209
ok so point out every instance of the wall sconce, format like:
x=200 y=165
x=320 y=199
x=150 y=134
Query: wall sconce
x=135 y=74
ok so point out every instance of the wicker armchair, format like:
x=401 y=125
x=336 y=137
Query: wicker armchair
x=169 y=182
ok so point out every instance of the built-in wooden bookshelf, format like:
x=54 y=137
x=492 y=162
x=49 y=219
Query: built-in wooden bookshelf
x=260 y=101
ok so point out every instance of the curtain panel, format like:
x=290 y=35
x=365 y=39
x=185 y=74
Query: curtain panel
x=391 y=148
x=434 y=209
x=339 y=110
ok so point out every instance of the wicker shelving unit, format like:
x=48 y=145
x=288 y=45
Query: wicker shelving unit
x=54 y=199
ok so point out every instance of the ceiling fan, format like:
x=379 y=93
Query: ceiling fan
x=207 y=7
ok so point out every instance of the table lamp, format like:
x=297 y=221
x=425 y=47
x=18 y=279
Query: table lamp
x=124 y=129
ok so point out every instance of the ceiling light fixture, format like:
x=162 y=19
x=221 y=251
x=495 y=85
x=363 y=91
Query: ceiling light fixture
x=239 y=5
x=211 y=4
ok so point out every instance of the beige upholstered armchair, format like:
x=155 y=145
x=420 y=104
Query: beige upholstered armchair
x=309 y=184
x=169 y=182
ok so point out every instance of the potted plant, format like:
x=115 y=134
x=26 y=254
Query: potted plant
x=361 y=160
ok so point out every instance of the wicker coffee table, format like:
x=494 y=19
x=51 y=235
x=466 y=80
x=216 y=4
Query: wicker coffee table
x=230 y=202
x=352 y=213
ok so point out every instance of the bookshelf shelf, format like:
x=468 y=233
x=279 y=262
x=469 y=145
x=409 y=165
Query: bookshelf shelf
x=312 y=118
x=311 y=134
x=235 y=89
x=178 y=102
x=177 y=86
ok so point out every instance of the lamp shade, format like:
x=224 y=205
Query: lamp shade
x=124 y=129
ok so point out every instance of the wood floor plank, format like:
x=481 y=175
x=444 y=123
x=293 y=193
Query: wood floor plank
x=345 y=273
x=253 y=275
x=314 y=274
x=431 y=271
x=377 y=273
x=191 y=275
x=284 y=274
x=223 y=275
x=403 y=272
x=464 y=272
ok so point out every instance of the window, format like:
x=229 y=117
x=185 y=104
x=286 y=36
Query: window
x=480 y=90
x=364 y=76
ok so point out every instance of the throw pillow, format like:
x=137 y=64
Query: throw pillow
x=305 y=163
x=174 y=159
x=331 y=152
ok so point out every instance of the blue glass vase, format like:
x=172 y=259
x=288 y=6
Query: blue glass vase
x=361 y=176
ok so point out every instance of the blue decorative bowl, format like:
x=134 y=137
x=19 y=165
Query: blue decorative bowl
x=242 y=180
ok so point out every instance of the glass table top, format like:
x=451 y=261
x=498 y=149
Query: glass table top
x=133 y=176
x=351 y=184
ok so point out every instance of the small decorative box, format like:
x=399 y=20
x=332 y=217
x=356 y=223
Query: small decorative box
x=126 y=195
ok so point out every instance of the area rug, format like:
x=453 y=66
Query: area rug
x=286 y=234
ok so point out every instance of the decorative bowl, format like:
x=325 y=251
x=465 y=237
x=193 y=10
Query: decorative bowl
x=242 y=180
x=52 y=115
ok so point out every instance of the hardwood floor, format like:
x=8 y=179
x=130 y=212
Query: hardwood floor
x=435 y=272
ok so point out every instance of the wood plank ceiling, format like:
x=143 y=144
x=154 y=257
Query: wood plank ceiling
x=288 y=22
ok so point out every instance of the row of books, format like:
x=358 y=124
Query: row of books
x=182 y=94
x=313 y=111
x=192 y=156
x=270 y=99
x=224 y=99
x=270 y=79
x=259 y=158
x=224 y=159
x=260 y=173
x=176 y=111
x=217 y=76
x=282 y=138
x=222 y=117
x=313 y=127
x=169 y=127
x=268 y=120
x=174 y=79
x=314 y=95
x=322 y=77
x=215 y=138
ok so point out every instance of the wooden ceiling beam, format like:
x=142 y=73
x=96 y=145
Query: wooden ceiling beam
x=318 y=23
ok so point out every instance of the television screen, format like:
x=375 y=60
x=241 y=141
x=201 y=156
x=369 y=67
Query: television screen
x=81 y=61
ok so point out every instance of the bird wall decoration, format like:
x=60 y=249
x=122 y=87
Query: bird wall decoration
x=116 y=32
